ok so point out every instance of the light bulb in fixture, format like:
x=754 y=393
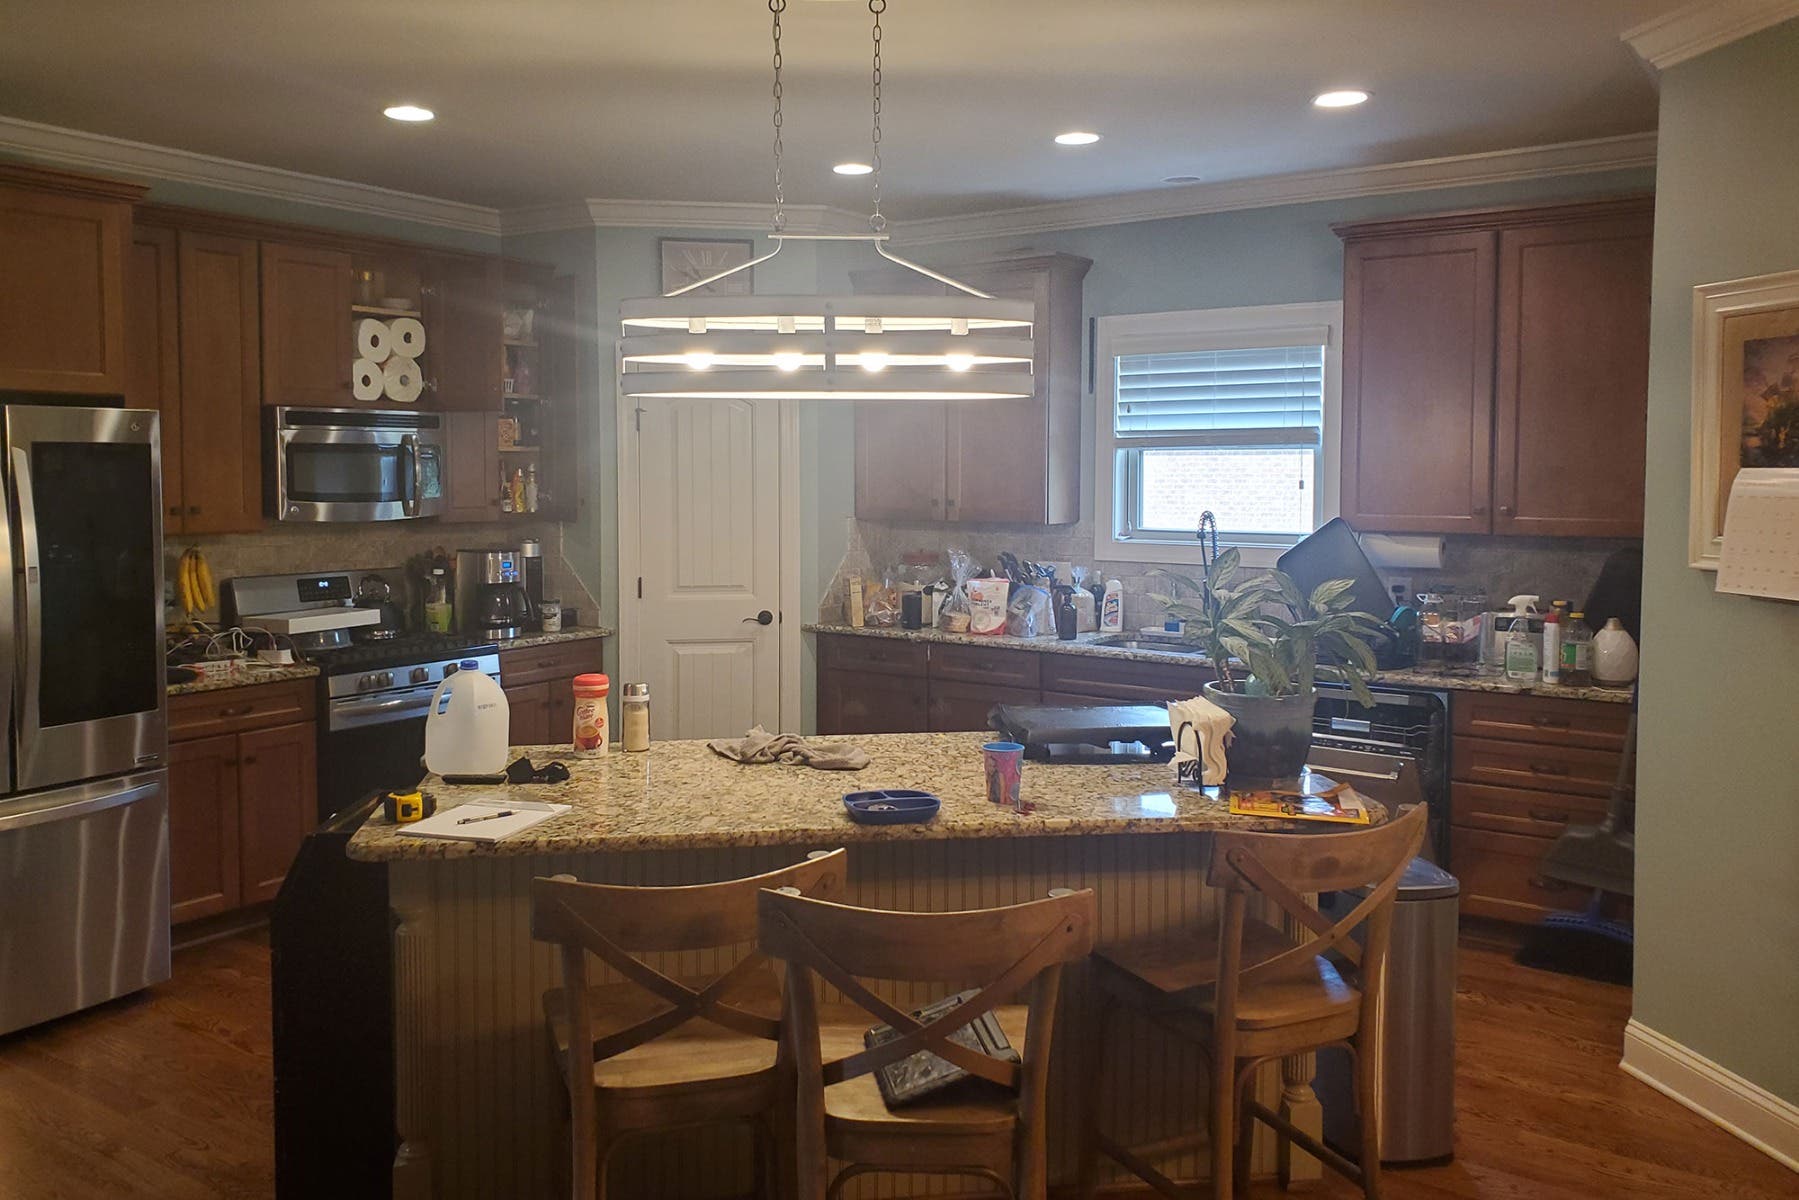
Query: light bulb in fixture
x=699 y=360
x=873 y=360
x=1076 y=137
x=407 y=112
x=1346 y=98
x=853 y=168
x=959 y=362
x=789 y=361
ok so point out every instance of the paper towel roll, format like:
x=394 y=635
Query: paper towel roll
x=374 y=340
x=400 y=379
x=367 y=379
x=1403 y=552
x=408 y=337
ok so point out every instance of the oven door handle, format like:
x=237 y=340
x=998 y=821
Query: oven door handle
x=347 y=714
x=414 y=482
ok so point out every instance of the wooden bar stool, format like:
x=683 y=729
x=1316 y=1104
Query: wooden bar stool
x=656 y=1052
x=1246 y=994
x=996 y=1132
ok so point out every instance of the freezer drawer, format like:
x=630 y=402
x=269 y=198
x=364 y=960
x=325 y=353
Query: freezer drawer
x=84 y=896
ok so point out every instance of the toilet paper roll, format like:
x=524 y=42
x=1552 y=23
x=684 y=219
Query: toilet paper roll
x=408 y=337
x=367 y=379
x=374 y=340
x=400 y=380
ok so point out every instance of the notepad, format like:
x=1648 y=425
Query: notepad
x=479 y=819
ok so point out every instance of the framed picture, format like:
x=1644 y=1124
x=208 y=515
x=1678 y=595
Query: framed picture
x=686 y=261
x=1745 y=395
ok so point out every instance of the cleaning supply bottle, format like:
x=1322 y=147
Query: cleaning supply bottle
x=467 y=725
x=1111 y=608
x=1520 y=649
x=1552 y=644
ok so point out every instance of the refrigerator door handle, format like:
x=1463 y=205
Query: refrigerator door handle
x=25 y=571
x=9 y=643
x=25 y=817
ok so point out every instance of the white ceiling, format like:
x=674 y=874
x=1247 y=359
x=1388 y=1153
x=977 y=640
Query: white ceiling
x=544 y=101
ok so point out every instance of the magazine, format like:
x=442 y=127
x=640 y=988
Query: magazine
x=1337 y=803
x=919 y=1075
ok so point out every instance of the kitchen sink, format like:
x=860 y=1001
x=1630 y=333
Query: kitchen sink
x=1161 y=645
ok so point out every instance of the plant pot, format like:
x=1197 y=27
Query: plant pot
x=1271 y=738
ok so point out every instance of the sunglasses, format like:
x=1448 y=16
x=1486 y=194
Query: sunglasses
x=522 y=771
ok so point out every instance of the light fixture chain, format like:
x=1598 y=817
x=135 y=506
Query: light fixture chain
x=876 y=221
x=777 y=7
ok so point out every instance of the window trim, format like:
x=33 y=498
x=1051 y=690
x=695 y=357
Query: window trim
x=1165 y=332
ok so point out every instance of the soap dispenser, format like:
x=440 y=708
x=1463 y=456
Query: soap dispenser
x=1520 y=649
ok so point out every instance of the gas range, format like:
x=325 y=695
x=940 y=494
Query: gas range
x=411 y=661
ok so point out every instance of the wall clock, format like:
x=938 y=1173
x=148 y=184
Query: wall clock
x=685 y=261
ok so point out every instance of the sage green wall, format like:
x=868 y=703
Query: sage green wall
x=1717 y=905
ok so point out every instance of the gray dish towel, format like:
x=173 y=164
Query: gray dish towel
x=761 y=746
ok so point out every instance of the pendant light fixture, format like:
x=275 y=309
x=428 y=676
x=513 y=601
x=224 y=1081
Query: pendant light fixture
x=959 y=345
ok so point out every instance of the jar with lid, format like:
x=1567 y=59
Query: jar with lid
x=634 y=717
x=590 y=733
x=1431 y=632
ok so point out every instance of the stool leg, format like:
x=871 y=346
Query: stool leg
x=1224 y=1103
x=1099 y=1023
x=1367 y=1072
x=1246 y=1129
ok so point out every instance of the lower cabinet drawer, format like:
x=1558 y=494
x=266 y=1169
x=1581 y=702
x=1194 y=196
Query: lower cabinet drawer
x=1123 y=681
x=878 y=655
x=1542 y=768
x=556 y=661
x=864 y=702
x=1521 y=811
x=963 y=707
x=1501 y=876
x=987 y=665
x=227 y=710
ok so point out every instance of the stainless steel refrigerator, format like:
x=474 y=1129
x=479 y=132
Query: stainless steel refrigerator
x=84 y=812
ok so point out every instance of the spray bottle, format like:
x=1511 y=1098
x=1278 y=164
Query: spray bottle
x=1520 y=650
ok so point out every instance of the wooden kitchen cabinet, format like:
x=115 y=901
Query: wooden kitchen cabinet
x=1514 y=344
x=1570 y=402
x=463 y=353
x=65 y=240
x=858 y=702
x=308 y=342
x=203 y=829
x=987 y=460
x=243 y=793
x=960 y=707
x=194 y=319
x=473 y=482
x=528 y=709
x=277 y=803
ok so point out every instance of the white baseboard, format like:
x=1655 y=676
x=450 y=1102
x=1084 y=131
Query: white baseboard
x=1722 y=1097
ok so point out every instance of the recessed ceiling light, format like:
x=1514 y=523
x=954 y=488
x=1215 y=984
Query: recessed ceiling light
x=853 y=169
x=1181 y=179
x=1076 y=138
x=408 y=112
x=1347 y=98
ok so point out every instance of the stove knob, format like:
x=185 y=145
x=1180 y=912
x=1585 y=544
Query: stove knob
x=420 y=675
x=385 y=679
x=366 y=683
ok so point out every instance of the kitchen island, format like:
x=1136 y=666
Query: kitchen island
x=478 y=1106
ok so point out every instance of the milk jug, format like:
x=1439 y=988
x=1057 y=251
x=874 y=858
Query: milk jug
x=466 y=727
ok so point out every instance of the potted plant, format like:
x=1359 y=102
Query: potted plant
x=1265 y=637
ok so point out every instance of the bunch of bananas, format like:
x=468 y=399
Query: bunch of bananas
x=193 y=584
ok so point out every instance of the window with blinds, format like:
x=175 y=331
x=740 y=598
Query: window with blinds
x=1232 y=429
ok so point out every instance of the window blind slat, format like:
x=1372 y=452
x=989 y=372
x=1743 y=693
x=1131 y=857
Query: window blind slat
x=1222 y=397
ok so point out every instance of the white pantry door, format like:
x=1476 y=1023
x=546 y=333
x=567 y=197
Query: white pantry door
x=709 y=538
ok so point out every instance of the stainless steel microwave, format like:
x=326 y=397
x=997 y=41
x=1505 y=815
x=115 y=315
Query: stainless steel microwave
x=354 y=464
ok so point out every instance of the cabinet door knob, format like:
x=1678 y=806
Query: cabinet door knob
x=174 y=510
x=1505 y=510
x=193 y=510
x=249 y=760
x=1479 y=510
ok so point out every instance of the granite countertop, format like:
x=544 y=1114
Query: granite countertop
x=682 y=795
x=579 y=633
x=252 y=674
x=249 y=675
x=1091 y=644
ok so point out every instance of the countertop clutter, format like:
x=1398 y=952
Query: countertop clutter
x=1096 y=645
x=250 y=674
x=681 y=795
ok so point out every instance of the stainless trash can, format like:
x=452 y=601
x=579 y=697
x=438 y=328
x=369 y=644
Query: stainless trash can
x=1417 y=1015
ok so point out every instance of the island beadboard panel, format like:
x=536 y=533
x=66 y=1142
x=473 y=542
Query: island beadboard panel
x=479 y=1107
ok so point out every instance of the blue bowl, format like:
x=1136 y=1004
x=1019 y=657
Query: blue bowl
x=893 y=806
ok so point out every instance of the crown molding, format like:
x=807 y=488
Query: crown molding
x=94 y=151
x=732 y=216
x=1462 y=170
x=1688 y=32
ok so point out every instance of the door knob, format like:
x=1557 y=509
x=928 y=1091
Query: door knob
x=762 y=618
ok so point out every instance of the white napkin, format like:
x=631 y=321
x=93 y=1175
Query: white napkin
x=1200 y=731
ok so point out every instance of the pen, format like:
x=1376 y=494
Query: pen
x=505 y=812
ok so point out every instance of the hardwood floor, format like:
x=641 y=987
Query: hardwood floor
x=167 y=1096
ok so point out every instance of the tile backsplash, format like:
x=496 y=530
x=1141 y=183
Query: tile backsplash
x=289 y=549
x=1554 y=568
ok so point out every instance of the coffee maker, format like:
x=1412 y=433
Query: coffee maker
x=490 y=593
